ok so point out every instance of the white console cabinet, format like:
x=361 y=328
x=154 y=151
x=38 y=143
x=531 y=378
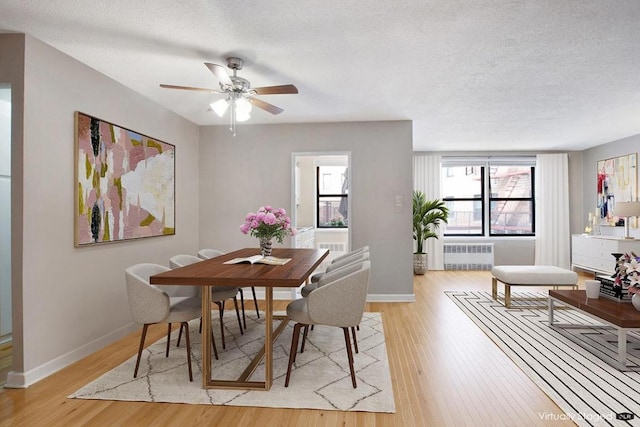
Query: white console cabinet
x=306 y=238
x=593 y=253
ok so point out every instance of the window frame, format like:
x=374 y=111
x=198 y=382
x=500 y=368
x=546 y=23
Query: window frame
x=486 y=198
x=471 y=199
x=531 y=199
x=320 y=196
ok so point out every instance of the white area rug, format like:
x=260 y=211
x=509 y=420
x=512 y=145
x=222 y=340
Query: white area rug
x=320 y=378
x=586 y=388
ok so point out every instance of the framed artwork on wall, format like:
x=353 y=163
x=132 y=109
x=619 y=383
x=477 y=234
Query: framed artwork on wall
x=617 y=182
x=125 y=183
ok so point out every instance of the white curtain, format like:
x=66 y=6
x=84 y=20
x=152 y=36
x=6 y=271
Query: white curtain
x=426 y=178
x=553 y=235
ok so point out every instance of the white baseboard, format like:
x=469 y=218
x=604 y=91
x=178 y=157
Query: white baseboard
x=285 y=294
x=25 y=379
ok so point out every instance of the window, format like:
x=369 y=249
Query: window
x=463 y=189
x=333 y=189
x=491 y=197
x=511 y=200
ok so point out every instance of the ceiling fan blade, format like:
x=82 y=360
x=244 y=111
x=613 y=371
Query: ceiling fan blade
x=275 y=90
x=265 y=105
x=199 y=89
x=220 y=73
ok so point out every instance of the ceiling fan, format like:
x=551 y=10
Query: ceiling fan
x=239 y=93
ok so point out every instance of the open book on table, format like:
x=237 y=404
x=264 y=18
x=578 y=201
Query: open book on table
x=259 y=259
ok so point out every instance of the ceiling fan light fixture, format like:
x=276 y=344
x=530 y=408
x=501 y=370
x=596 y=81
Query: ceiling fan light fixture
x=242 y=117
x=243 y=106
x=239 y=94
x=220 y=107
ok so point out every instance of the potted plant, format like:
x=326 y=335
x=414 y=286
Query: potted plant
x=427 y=217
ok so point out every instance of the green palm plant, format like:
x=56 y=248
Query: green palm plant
x=427 y=217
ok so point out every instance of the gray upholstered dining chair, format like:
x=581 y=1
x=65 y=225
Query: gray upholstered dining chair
x=219 y=294
x=339 y=261
x=339 y=303
x=329 y=277
x=336 y=265
x=150 y=305
x=208 y=253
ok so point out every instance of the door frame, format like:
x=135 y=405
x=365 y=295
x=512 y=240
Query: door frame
x=293 y=213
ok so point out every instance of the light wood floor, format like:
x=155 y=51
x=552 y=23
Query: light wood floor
x=445 y=372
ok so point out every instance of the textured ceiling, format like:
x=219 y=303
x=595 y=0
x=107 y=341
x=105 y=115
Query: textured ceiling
x=470 y=74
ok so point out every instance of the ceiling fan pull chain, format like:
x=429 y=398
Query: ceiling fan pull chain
x=232 y=116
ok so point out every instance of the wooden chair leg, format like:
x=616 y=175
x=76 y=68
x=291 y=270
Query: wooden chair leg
x=304 y=338
x=350 y=356
x=168 y=338
x=244 y=318
x=221 y=311
x=142 y=338
x=355 y=341
x=255 y=301
x=235 y=303
x=179 y=336
x=213 y=343
x=292 y=352
x=186 y=335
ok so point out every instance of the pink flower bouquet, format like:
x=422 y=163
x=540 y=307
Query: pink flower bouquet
x=268 y=223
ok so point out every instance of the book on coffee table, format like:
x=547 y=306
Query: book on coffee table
x=259 y=259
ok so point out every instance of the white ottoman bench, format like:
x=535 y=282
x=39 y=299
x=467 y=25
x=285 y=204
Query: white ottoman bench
x=529 y=275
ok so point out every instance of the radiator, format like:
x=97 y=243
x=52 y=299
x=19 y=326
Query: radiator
x=468 y=256
x=334 y=247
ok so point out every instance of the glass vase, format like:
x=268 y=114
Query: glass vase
x=265 y=246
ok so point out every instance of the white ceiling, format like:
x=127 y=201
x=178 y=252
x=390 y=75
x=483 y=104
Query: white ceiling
x=470 y=74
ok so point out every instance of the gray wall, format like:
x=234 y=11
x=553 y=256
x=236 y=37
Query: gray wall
x=69 y=302
x=237 y=175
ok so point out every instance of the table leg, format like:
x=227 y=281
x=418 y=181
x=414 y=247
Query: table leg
x=206 y=335
x=622 y=347
x=268 y=344
x=550 y=311
x=266 y=353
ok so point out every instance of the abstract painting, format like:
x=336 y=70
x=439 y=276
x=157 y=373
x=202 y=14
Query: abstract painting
x=125 y=183
x=617 y=182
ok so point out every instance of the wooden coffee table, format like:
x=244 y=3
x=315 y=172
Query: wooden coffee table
x=619 y=315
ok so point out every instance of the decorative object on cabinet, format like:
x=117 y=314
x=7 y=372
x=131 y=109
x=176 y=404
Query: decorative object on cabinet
x=124 y=183
x=617 y=182
x=628 y=210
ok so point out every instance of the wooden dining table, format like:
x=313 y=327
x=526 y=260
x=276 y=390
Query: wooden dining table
x=213 y=272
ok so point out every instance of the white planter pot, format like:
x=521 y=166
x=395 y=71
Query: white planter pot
x=419 y=264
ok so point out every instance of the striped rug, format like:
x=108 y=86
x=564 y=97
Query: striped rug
x=587 y=389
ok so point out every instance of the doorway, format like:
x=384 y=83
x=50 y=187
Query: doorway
x=321 y=201
x=6 y=359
